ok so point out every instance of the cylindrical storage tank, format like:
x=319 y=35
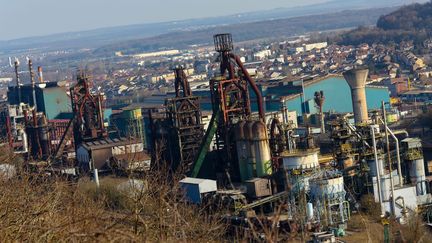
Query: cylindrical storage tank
x=131 y=123
x=418 y=175
x=301 y=161
x=356 y=79
x=373 y=166
x=252 y=160
x=44 y=137
x=309 y=211
x=262 y=149
x=132 y=113
x=327 y=188
x=243 y=148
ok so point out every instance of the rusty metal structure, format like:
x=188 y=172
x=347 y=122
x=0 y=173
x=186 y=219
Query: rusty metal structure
x=88 y=111
x=230 y=94
x=178 y=132
x=57 y=129
x=37 y=130
x=279 y=137
x=87 y=123
x=231 y=103
x=6 y=126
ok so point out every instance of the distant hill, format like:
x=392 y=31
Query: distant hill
x=105 y=36
x=409 y=23
x=251 y=31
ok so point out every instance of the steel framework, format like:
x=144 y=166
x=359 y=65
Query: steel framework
x=231 y=103
x=184 y=117
x=178 y=130
x=88 y=111
x=230 y=95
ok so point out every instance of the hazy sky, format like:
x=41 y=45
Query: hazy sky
x=23 y=18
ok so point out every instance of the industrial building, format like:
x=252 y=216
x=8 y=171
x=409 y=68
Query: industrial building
x=67 y=129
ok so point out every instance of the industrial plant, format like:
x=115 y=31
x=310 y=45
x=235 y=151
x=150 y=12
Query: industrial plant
x=306 y=173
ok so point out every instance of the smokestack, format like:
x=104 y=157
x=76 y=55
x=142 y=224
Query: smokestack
x=319 y=101
x=18 y=81
x=356 y=79
x=40 y=73
x=32 y=81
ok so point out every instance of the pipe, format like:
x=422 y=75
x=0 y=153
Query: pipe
x=96 y=177
x=404 y=211
x=322 y=121
x=101 y=115
x=402 y=132
x=35 y=134
x=252 y=84
x=24 y=139
x=40 y=73
x=389 y=158
x=377 y=168
x=284 y=112
x=397 y=152
x=9 y=130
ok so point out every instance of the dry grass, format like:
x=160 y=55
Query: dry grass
x=367 y=227
x=51 y=210
x=414 y=231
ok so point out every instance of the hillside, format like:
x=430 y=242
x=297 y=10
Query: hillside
x=413 y=17
x=409 y=23
x=250 y=31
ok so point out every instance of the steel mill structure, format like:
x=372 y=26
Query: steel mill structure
x=231 y=104
x=88 y=111
x=180 y=129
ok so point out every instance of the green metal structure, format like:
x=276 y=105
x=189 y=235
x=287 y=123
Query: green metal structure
x=210 y=133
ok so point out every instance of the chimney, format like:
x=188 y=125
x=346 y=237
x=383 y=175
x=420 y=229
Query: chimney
x=356 y=79
x=18 y=81
x=32 y=81
x=40 y=73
